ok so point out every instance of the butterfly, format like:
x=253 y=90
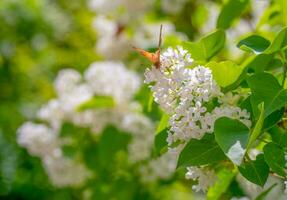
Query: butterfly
x=153 y=57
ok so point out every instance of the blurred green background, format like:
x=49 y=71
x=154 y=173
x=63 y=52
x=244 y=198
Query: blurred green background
x=40 y=37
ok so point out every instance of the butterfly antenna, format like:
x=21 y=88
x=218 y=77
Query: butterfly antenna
x=160 y=37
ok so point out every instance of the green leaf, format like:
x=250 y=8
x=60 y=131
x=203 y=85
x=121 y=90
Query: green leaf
x=111 y=142
x=207 y=46
x=279 y=42
x=256 y=171
x=279 y=136
x=150 y=102
x=274 y=157
x=254 y=43
x=228 y=132
x=224 y=179
x=230 y=11
x=258 y=63
x=200 y=152
x=219 y=71
x=258 y=126
x=163 y=123
x=265 y=88
x=97 y=102
x=262 y=195
x=160 y=142
x=273 y=119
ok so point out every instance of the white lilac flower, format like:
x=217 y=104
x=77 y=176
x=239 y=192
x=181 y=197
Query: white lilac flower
x=168 y=79
x=162 y=167
x=147 y=35
x=113 y=47
x=64 y=172
x=183 y=92
x=66 y=81
x=124 y=11
x=102 y=78
x=38 y=139
x=240 y=198
x=52 y=113
x=170 y=6
x=112 y=79
x=205 y=178
x=104 y=26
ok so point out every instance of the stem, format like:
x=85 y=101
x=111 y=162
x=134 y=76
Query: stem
x=284 y=74
x=284 y=68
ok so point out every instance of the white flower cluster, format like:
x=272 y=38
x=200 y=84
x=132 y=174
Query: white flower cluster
x=205 y=177
x=120 y=23
x=124 y=11
x=102 y=78
x=184 y=93
x=170 y=6
x=43 y=141
x=113 y=41
x=162 y=167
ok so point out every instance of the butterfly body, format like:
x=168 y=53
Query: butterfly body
x=152 y=57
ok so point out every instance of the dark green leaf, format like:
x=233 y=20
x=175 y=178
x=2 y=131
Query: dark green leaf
x=160 y=141
x=228 y=132
x=273 y=118
x=207 y=47
x=256 y=171
x=265 y=88
x=230 y=11
x=98 y=102
x=274 y=157
x=254 y=43
x=258 y=63
x=279 y=136
x=200 y=152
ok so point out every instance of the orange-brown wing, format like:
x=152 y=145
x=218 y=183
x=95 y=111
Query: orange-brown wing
x=153 y=57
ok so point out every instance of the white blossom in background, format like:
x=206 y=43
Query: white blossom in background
x=124 y=11
x=212 y=14
x=112 y=79
x=101 y=78
x=204 y=177
x=162 y=167
x=44 y=142
x=64 y=172
x=172 y=6
x=147 y=35
x=39 y=139
x=240 y=198
x=122 y=23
